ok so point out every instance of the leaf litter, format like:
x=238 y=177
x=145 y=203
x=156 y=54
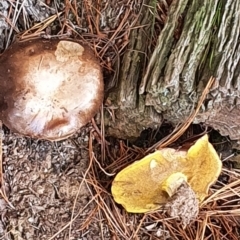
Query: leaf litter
x=52 y=190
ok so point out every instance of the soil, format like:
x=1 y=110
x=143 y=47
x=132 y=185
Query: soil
x=44 y=185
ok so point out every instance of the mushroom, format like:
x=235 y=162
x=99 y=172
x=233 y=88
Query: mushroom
x=151 y=182
x=49 y=88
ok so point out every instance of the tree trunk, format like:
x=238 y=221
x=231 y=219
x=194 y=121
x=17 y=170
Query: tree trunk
x=168 y=83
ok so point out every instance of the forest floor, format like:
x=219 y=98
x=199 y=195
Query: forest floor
x=61 y=190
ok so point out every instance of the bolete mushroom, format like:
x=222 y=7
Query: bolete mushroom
x=49 y=88
x=151 y=182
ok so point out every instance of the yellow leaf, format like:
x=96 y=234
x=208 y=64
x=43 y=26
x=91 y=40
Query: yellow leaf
x=147 y=184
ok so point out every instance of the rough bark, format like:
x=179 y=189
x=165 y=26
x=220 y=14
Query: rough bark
x=171 y=83
x=131 y=115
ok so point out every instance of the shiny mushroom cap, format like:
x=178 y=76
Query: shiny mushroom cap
x=49 y=88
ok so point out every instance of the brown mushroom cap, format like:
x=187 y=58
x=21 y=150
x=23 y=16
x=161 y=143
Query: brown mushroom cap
x=49 y=88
